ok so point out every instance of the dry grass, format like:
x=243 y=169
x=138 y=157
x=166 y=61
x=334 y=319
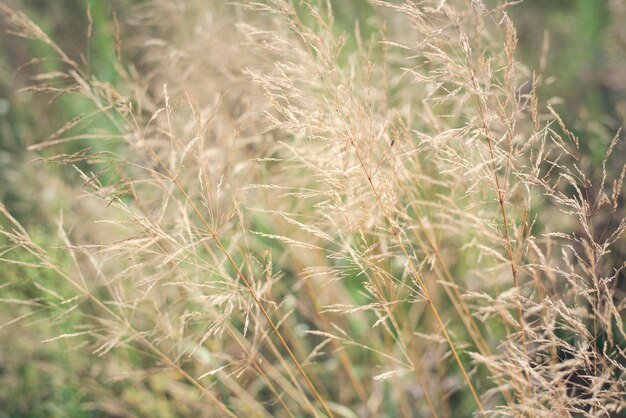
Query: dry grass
x=290 y=220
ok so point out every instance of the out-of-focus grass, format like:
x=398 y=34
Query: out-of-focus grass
x=49 y=379
x=26 y=118
x=582 y=65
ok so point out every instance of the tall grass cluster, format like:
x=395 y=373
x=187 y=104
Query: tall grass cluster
x=279 y=211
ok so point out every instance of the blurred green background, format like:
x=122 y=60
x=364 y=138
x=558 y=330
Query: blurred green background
x=44 y=380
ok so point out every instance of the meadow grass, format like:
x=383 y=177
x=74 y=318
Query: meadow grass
x=275 y=210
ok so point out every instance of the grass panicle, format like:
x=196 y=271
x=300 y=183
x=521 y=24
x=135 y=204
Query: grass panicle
x=275 y=209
